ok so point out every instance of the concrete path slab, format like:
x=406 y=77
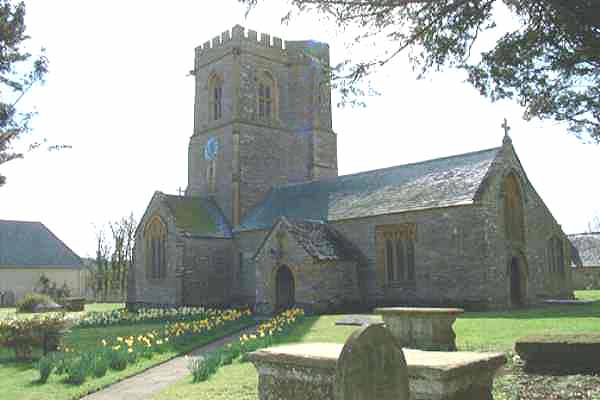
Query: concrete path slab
x=153 y=380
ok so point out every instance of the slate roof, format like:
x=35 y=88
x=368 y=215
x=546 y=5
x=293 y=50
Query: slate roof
x=321 y=241
x=429 y=184
x=199 y=217
x=31 y=244
x=585 y=249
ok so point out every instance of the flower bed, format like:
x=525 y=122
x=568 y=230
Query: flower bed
x=23 y=335
x=265 y=335
x=119 y=352
x=122 y=316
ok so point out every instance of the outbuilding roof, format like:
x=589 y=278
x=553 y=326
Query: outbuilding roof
x=586 y=249
x=31 y=244
x=435 y=183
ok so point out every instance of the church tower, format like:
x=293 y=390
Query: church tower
x=262 y=117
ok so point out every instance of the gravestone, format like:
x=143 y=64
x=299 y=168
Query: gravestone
x=371 y=366
x=9 y=299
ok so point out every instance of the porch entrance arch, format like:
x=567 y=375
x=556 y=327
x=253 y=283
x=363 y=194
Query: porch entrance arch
x=285 y=290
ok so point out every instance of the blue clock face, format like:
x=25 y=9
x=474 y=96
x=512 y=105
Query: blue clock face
x=211 y=149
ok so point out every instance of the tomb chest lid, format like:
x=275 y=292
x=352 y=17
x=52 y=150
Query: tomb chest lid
x=314 y=355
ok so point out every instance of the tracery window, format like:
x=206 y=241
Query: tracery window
x=266 y=97
x=396 y=258
x=156 y=258
x=215 y=88
x=556 y=257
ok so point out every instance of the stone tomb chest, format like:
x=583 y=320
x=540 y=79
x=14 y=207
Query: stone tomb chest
x=422 y=328
x=369 y=366
x=372 y=366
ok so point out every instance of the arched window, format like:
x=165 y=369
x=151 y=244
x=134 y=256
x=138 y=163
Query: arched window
x=513 y=210
x=399 y=256
x=215 y=93
x=156 y=258
x=266 y=97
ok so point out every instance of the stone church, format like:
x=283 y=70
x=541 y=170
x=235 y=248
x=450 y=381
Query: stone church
x=267 y=221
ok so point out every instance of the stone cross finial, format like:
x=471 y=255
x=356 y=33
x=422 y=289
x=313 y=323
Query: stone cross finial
x=506 y=128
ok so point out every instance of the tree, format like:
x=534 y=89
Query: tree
x=19 y=72
x=549 y=64
x=594 y=224
x=114 y=258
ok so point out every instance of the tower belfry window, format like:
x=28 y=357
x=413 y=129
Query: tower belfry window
x=266 y=97
x=215 y=88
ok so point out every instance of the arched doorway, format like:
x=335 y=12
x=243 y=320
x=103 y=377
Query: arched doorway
x=518 y=282
x=284 y=289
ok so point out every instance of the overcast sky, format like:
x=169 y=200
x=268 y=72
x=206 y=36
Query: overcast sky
x=119 y=93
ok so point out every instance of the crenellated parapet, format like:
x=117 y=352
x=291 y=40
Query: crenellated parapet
x=262 y=43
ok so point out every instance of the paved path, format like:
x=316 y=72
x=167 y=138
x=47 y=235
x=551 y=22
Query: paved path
x=153 y=380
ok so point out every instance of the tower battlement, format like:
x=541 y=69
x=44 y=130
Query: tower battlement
x=240 y=34
x=243 y=38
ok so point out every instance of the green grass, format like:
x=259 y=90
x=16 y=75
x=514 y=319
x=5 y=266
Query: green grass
x=483 y=331
x=18 y=380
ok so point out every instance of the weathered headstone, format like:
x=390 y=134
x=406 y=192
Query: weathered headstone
x=9 y=299
x=371 y=366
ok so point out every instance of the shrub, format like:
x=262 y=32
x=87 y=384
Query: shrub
x=45 y=366
x=77 y=369
x=199 y=369
x=48 y=287
x=28 y=303
x=203 y=367
x=118 y=360
x=100 y=366
x=226 y=357
x=24 y=334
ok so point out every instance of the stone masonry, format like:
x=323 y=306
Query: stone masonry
x=266 y=219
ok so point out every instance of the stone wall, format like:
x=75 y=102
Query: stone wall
x=586 y=278
x=539 y=225
x=167 y=291
x=207 y=272
x=297 y=144
x=223 y=164
x=320 y=286
x=450 y=258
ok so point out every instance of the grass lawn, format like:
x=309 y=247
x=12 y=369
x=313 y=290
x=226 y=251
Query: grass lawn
x=18 y=380
x=481 y=331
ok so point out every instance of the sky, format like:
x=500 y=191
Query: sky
x=119 y=93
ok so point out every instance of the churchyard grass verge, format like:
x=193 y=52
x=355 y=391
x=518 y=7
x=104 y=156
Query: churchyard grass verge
x=265 y=335
x=90 y=361
x=120 y=352
x=482 y=331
